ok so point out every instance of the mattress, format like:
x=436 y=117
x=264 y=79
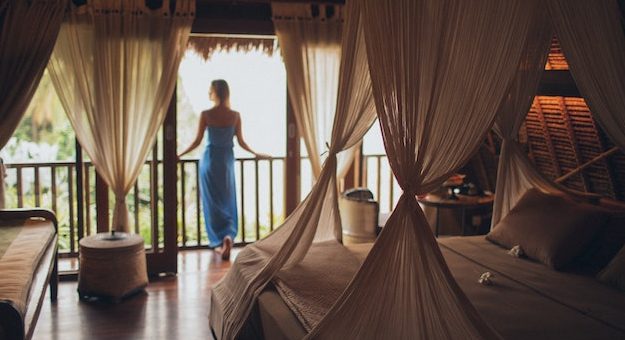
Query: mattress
x=22 y=246
x=526 y=299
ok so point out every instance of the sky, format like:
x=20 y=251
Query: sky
x=258 y=91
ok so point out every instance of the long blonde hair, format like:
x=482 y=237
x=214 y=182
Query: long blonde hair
x=222 y=91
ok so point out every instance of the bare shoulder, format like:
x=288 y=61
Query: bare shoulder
x=208 y=112
x=231 y=116
x=220 y=116
x=212 y=115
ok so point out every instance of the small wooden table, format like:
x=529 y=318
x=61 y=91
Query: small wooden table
x=111 y=267
x=464 y=203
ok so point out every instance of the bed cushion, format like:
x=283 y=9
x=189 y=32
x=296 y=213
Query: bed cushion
x=550 y=229
x=614 y=273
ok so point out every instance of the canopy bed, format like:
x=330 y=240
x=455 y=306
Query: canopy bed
x=525 y=299
x=436 y=94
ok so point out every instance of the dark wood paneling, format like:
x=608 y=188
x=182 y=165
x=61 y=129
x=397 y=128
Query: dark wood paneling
x=557 y=83
x=238 y=17
x=233 y=18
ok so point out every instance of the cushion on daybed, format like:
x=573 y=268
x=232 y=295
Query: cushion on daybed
x=551 y=229
x=27 y=241
x=614 y=273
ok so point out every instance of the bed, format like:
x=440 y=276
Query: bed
x=549 y=288
x=525 y=300
x=28 y=263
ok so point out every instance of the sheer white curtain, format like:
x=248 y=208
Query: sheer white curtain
x=316 y=219
x=28 y=31
x=311 y=49
x=593 y=41
x=515 y=173
x=114 y=68
x=439 y=71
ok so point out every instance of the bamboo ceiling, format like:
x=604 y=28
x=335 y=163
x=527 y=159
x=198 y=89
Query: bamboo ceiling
x=560 y=134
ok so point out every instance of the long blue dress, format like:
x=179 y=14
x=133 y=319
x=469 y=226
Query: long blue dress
x=217 y=185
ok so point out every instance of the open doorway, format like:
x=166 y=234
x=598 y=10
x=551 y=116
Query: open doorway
x=257 y=81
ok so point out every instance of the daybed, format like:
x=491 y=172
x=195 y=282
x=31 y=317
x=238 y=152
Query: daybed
x=28 y=262
x=523 y=299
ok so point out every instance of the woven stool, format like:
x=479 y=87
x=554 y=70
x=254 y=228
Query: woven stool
x=111 y=266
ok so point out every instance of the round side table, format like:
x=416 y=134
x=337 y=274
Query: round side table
x=466 y=204
x=112 y=265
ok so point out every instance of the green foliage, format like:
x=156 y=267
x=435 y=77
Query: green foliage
x=44 y=123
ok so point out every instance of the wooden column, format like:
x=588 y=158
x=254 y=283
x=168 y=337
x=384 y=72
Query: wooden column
x=170 y=190
x=80 y=192
x=292 y=167
x=352 y=178
x=101 y=203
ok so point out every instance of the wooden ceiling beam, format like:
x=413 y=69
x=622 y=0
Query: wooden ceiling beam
x=233 y=17
x=557 y=83
x=239 y=17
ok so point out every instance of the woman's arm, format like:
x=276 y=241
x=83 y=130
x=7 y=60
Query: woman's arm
x=198 y=136
x=242 y=142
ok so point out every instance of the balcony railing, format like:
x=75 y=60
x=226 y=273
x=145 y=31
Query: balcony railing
x=378 y=177
x=260 y=198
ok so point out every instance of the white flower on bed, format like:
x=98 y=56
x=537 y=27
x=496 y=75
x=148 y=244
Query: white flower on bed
x=516 y=251
x=485 y=278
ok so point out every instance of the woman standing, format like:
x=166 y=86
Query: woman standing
x=217 y=182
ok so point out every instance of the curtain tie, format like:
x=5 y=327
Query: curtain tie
x=120 y=214
x=410 y=191
x=327 y=150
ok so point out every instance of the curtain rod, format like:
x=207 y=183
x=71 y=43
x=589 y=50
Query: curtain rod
x=233 y=36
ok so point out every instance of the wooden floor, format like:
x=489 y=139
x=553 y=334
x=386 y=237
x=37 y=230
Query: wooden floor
x=171 y=308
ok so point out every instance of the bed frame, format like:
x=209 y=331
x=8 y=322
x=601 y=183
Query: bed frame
x=12 y=326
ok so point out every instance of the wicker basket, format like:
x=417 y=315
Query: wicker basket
x=112 y=268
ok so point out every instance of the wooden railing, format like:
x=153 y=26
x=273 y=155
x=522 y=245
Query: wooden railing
x=260 y=191
x=378 y=177
x=260 y=197
x=47 y=185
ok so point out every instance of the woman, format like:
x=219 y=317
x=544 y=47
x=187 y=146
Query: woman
x=217 y=184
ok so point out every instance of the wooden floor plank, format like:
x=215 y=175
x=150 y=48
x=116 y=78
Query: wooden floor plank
x=174 y=307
